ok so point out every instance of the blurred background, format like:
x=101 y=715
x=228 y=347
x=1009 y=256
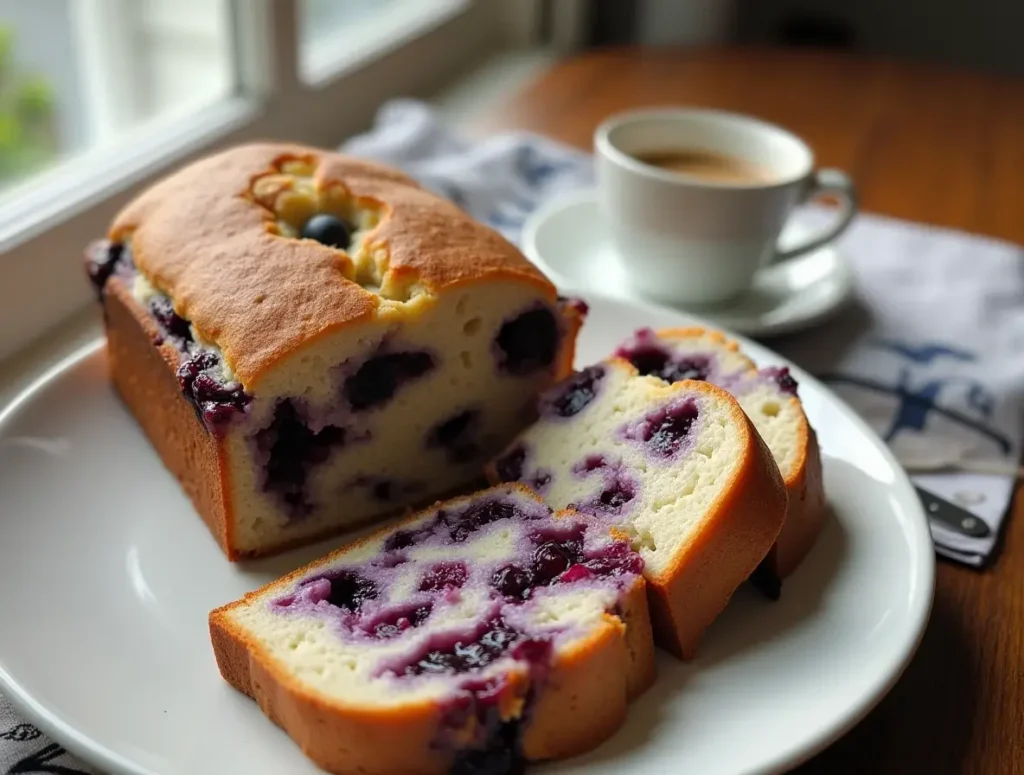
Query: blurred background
x=75 y=74
x=984 y=34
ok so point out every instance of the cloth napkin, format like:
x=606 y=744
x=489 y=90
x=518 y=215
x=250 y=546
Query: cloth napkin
x=24 y=749
x=933 y=356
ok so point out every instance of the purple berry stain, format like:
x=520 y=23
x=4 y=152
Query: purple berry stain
x=499 y=754
x=529 y=342
x=513 y=582
x=577 y=573
x=171 y=322
x=650 y=356
x=454 y=436
x=663 y=431
x=293 y=449
x=348 y=589
x=215 y=402
x=590 y=463
x=469 y=520
x=540 y=480
x=618 y=488
x=495 y=638
x=575 y=394
x=783 y=379
x=646 y=359
x=102 y=259
x=379 y=378
x=393 y=623
x=552 y=559
x=695 y=367
x=403 y=539
x=509 y=467
x=445 y=575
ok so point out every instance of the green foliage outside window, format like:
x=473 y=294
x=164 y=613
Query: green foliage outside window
x=28 y=138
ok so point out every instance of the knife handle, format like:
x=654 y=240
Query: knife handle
x=952 y=516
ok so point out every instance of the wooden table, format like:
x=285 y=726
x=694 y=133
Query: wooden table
x=926 y=144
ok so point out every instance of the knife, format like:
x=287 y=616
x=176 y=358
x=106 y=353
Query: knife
x=952 y=516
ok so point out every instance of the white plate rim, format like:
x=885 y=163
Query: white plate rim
x=586 y=196
x=99 y=755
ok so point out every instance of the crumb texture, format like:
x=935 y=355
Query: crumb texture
x=469 y=609
x=651 y=461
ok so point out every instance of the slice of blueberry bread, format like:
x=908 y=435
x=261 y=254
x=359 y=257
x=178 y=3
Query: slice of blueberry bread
x=678 y=468
x=769 y=397
x=481 y=633
x=312 y=341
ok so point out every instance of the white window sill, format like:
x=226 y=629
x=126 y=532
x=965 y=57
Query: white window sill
x=459 y=104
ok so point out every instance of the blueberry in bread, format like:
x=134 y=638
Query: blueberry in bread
x=312 y=341
x=678 y=468
x=481 y=633
x=769 y=397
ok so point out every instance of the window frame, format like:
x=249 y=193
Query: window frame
x=46 y=224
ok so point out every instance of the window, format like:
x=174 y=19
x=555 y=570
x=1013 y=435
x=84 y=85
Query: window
x=76 y=75
x=101 y=97
x=334 y=35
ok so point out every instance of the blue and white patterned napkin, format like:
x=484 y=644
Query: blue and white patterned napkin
x=933 y=357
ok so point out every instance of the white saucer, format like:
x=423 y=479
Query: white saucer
x=569 y=241
x=108 y=576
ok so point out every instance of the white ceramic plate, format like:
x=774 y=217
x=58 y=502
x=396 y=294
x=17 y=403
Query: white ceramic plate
x=569 y=241
x=108 y=576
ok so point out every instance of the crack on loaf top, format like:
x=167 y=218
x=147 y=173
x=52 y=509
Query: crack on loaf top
x=222 y=237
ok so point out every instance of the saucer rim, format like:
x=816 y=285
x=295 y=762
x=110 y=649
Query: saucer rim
x=747 y=325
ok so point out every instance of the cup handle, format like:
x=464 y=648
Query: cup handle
x=826 y=181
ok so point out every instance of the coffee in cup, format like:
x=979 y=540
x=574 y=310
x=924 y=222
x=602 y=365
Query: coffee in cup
x=707 y=165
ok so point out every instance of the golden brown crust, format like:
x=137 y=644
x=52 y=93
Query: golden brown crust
x=740 y=529
x=806 y=513
x=340 y=740
x=804 y=485
x=144 y=376
x=581 y=702
x=635 y=614
x=260 y=296
x=690 y=332
x=572 y=319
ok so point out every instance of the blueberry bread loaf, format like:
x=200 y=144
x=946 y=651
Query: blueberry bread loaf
x=678 y=468
x=312 y=341
x=769 y=397
x=481 y=633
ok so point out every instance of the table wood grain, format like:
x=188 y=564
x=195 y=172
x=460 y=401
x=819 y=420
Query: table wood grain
x=926 y=144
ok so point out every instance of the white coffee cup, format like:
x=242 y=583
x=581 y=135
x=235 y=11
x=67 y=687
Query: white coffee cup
x=697 y=240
